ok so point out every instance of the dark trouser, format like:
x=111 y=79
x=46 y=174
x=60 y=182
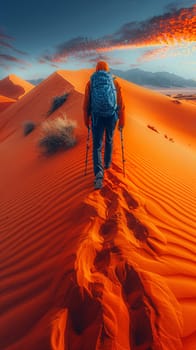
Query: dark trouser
x=99 y=125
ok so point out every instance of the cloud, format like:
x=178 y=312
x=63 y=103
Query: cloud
x=152 y=54
x=74 y=46
x=167 y=51
x=5 y=36
x=5 y=42
x=45 y=60
x=111 y=60
x=5 y=66
x=93 y=57
x=4 y=57
x=177 y=4
x=9 y=58
x=9 y=46
x=172 y=28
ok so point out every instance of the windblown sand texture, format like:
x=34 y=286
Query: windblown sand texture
x=98 y=270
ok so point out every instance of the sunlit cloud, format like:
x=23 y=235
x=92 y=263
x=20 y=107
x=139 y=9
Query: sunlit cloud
x=45 y=60
x=174 y=28
x=167 y=51
x=154 y=53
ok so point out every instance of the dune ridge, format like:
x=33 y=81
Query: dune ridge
x=113 y=269
x=5 y=102
x=14 y=87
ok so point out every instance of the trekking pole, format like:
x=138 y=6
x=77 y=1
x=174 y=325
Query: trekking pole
x=122 y=148
x=87 y=149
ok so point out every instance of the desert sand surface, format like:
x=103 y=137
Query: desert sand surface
x=184 y=94
x=5 y=102
x=191 y=98
x=14 y=87
x=98 y=270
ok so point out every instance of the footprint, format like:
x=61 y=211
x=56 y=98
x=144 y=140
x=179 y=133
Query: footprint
x=117 y=168
x=131 y=202
x=139 y=230
x=84 y=321
x=111 y=200
x=141 y=336
x=83 y=310
x=109 y=227
x=82 y=212
x=102 y=261
x=113 y=178
x=152 y=128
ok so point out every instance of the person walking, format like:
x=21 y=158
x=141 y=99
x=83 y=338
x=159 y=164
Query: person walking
x=103 y=106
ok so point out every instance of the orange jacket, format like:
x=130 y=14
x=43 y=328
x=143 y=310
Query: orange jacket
x=120 y=103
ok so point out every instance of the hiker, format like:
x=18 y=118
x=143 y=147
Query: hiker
x=103 y=106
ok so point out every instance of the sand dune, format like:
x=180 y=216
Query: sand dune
x=110 y=269
x=5 y=102
x=14 y=87
x=40 y=98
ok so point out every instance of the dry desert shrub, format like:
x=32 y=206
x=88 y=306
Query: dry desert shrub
x=57 y=102
x=56 y=135
x=28 y=127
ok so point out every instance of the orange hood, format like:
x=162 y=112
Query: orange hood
x=102 y=65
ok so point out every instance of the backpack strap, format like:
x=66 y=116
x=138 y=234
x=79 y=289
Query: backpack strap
x=117 y=107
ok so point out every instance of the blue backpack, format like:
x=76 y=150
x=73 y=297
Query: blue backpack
x=103 y=94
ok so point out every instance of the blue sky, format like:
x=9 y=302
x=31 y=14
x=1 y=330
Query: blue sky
x=39 y=37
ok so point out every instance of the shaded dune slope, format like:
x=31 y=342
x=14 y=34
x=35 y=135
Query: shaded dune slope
x=14 y=87
x=113 y=269
x=40 y=98
x=5 y=102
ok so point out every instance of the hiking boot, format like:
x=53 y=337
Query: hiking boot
x=98 y=183
x=107 y=166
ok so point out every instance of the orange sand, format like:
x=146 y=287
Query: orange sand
x=14 y=87
x=5 y=102
x=109 y=269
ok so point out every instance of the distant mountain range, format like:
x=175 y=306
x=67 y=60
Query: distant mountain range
x=35 y=81
x=158 y=79
x=144 y=78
